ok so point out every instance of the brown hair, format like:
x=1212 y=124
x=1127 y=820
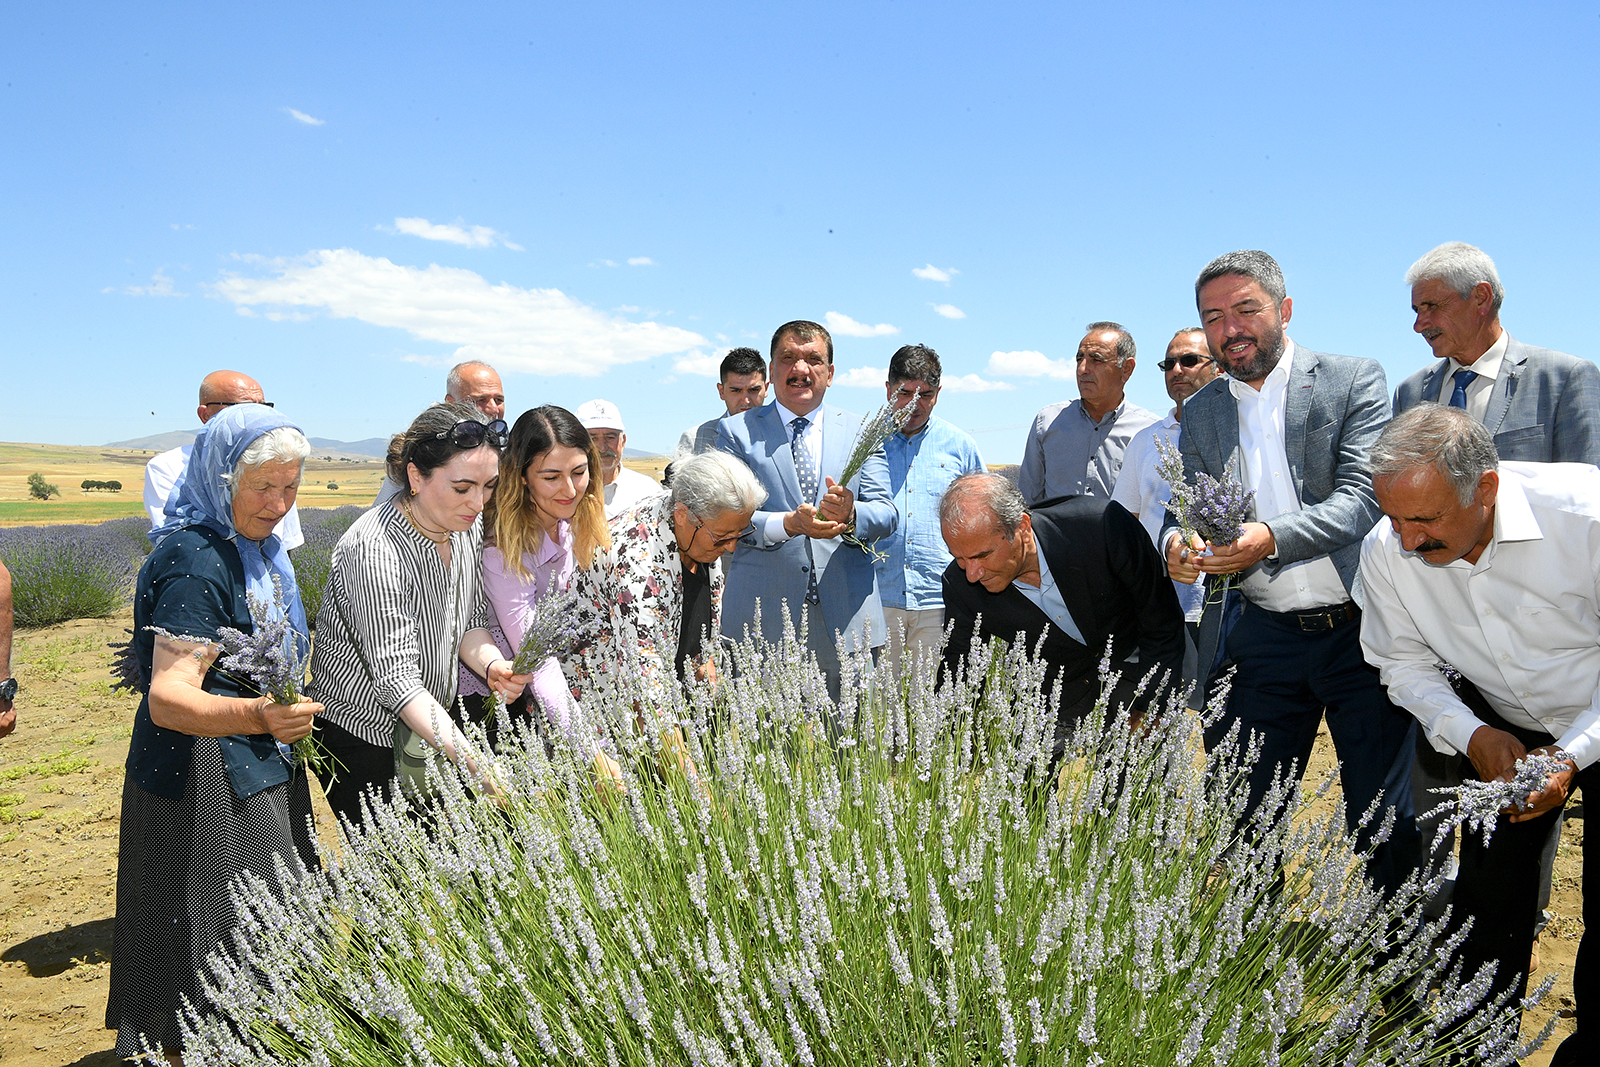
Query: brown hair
x=511 y=515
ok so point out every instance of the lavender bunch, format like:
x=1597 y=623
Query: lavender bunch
x=877 y=428
x=1477 y=805
x=552 y=629
x=1213 y=508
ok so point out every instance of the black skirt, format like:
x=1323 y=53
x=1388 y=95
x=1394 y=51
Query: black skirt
x=175 y=862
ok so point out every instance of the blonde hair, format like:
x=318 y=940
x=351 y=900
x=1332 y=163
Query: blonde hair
x=511 y=515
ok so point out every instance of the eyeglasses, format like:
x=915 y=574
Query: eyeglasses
x=1187 y=361
x=470 y=433
x=230 y=403
x=724 y=542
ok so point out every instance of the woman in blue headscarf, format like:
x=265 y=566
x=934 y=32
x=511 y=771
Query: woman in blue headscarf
x=209 y=790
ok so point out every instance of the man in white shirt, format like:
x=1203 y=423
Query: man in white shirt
x=1295 y=641
x=1494 y=569
x=623 y=487
x=219 y=389
x=472 y=382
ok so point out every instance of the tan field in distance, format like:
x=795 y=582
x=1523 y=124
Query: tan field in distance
x=67 y=466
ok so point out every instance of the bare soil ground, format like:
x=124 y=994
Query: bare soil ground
x=60 y=795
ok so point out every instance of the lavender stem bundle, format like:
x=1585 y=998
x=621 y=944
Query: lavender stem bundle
x=877 y=428
x=1478 y=805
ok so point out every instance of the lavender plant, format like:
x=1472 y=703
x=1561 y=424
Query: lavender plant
x=1478 y=805
x=551 y=629
x=1214 y=508
x=877 y=428
x=68 y=572
x=902 y=878
x=313 y=560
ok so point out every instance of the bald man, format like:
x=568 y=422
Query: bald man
x=473 y=382
x=219 y=389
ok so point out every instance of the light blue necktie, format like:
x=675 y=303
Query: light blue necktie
x=805 y=471
x=1463 y=378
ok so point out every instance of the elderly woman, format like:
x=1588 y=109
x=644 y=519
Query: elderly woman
x=663 y=593
x=404 y=603
x=209 y=790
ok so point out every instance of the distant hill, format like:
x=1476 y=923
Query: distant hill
x=372 y=446
x=639 y=453
x=160 y=442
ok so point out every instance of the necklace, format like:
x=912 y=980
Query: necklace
x=405 y=509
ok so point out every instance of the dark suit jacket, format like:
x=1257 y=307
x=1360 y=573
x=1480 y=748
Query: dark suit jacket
x=1114 y=584
x=1544 y=406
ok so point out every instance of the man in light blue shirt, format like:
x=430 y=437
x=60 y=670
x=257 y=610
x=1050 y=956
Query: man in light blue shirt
x=924 y=458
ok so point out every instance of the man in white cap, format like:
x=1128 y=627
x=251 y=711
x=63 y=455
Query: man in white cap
x=623 y=487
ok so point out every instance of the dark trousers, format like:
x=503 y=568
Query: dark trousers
x=358 y=768
x=1498 y=887
x=1286 y=677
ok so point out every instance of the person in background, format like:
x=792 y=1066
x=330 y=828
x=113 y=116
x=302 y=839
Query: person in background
x=208 y=792
x=8 y=684
x=219 y=390
x=1140 y=488
x=743 y=385
x=924 y=458
x=404 y=602
x=472 y=382
x=1075 y=448
x=622 y=487
x=795 y=560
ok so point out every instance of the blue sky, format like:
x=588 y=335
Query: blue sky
x=342 y=200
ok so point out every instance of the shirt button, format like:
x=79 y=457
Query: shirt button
x=1505 y=656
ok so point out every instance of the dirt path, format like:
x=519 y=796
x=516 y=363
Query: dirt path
x=60 y=794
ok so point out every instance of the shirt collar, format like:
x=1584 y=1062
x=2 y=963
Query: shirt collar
x=788 y=416
x=1486 y=365
x=552 y=547
x=1513 y=517
x=1111 y=416
x=1277 y=378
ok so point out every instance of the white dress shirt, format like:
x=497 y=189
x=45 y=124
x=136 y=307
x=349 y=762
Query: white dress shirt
x=775 y=533
x=628 y=489
x=1522 y=624
x=1487 y=367
x=1310 y=583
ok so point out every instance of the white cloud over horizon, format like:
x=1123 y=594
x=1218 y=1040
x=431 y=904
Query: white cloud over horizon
x=1028 y=364
x=971 y=383
x=845 y=326
x=934 y=274
x=700 y=364
x=160 y=285
x=536 y=331
x=301 y=116
x=457 y=233
x=949 y=311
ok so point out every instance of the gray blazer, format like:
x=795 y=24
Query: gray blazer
x=1335 y=409
x=1544 y=407
x=777 y=575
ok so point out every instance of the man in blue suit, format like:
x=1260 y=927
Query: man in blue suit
x=1294 y=426
x=794 y=560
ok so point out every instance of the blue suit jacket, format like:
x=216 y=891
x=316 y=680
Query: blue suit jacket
x=778 y=575
x=1544 y=406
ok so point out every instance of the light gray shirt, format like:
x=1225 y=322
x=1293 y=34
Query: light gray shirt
x=1070 y=454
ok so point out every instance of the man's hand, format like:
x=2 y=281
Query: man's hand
x=1183 y=560
x=1555 y=791
x=838 y=503
x=804 y=521
x=1494 y=753
x=1255 y=544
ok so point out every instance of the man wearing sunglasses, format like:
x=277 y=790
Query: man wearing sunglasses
x=219 y=390
x=1140 y=487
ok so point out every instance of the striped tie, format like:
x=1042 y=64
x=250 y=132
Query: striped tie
x=805 y=471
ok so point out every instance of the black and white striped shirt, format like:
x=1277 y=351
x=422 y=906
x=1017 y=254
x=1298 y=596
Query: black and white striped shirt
x=390 y=599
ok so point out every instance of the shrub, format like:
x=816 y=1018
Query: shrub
x=68 y=572
x=905 y=889
x=322 y=528
x=39 y=489
x=333 y=485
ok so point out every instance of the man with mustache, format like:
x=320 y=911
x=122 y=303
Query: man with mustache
x=1491 y=567
x=794 y=563
x=1075 y=449
x=1294 y=426
x=623 y=487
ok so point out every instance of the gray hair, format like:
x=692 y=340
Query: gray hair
x=1460 y=266
x=714 y=483
x=1447 y=438
x=1187 y=329
x=282 y=444
x=1126 y=349
x=1249 y=263
x=997 y=498
x=453 y=385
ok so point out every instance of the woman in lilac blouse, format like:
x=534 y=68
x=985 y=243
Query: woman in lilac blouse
x=545 y=526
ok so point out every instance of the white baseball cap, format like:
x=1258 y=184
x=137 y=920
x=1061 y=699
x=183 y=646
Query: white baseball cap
x=600 y=415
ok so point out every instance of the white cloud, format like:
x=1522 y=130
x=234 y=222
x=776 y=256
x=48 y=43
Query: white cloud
x=862 y=377
x=1031 y=365
x=160 y=285
x=456 y=233
x=537 y=331
x=301 y=116
x=699 y=363
x=934 y=274
x=845 y=326
x=971 y=383
x=641 y=261
x=949 y=311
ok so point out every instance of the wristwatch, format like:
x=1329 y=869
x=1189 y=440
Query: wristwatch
x=8 y=689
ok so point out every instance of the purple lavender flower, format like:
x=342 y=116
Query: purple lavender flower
x=1477 y=805
x=552 y=629
x=1214 y=508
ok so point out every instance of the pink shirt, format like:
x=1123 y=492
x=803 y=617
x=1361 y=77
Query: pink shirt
x=550 y=566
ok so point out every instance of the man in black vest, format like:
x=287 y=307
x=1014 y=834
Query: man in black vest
x=1077 y=571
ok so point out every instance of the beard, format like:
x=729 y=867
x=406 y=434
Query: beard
x=1269 y=348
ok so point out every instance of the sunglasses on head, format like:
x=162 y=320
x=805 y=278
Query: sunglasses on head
x=1187 y=361
x=471 y=433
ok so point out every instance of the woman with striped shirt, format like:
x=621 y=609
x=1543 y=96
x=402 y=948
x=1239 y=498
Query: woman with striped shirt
x=404 y=603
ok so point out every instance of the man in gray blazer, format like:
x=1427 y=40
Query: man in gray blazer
x=794 y=560
x=1541 y=406
x=1294 y=426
